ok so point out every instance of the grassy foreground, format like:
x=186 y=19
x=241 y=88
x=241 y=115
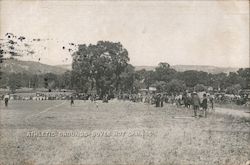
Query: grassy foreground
x=52 y=132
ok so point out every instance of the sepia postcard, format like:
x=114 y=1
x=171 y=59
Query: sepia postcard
x=144 y=82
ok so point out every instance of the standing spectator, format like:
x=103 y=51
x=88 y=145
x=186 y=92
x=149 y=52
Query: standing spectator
x=6 y=99
x=105 y=98
x=157 y=101
x=92 y=97
x=211 y=99
x=162 y=100
x=204 y=104
x=71 y=100
x=196 y=103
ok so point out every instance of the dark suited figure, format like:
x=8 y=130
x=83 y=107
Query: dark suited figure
x=157 y=101
x=71 y=100
x=196 y=103
x=204 y=105
x=162 y=100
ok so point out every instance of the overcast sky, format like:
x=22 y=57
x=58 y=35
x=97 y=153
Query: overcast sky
x=178 y=32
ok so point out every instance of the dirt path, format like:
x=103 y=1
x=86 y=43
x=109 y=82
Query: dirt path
x=227 y=111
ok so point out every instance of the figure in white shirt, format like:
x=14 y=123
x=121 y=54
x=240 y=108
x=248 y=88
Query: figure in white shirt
x=6 y=99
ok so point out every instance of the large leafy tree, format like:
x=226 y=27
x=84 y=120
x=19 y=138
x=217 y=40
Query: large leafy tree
x=128 y=78
x=160 y=86
x=163 y=72
x=147 y=78
x=233 y=78
x=175 y=86
x=98 y=67
x=245 y=75
x=200 y=88
x=234 y=89
x=14 y=82
x=51 y=80
x=218 y=81
x=65 y=81
x=193 y=77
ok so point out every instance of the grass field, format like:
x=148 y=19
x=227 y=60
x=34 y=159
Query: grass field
x=119 y=132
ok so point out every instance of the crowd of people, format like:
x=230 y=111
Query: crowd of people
x=193 y=100
x=38 y=96
x=196 y=101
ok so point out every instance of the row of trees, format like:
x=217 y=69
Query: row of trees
x=164 y=78
x=48 y=80
x=105 y=68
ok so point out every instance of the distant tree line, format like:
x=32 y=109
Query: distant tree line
x=104 y=68
x=164 y=78
x=49 y=80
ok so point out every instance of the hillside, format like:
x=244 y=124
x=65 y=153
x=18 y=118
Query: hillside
x=29 y=67
x=65 y=66
x=182 y=68
x=17 y=66
x=205 y=68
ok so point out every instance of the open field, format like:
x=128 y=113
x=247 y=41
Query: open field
x=119 y=132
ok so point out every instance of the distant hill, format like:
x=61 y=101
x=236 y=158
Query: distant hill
x=182 y=68
x=65 y=66
x=17 y=66
x=29 y=67
x=205 y=68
